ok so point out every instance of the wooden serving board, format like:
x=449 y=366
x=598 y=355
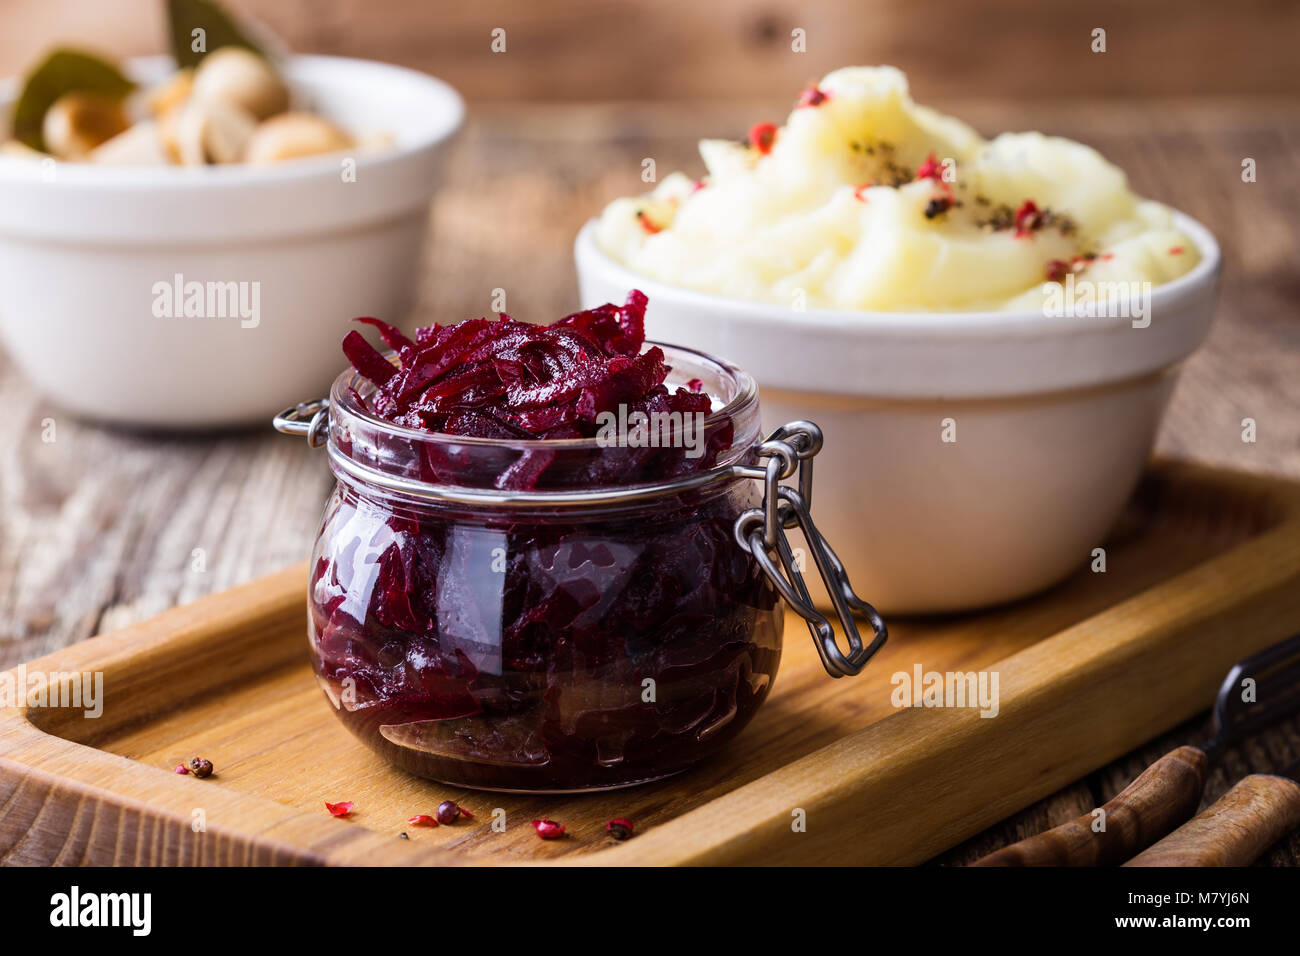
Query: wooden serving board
x=1203 y=570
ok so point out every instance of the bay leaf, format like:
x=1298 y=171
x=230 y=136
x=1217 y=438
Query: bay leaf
x=219 y=29
x=63 y=71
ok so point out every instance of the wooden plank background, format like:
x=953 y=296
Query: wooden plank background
x=654 y=49
x=102 y=527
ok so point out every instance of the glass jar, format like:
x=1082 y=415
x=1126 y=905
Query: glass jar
x=582 y=635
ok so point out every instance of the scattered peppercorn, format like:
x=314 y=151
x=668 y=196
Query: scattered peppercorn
x=181 y=768
x=1176 y=251
x=762 y=136
x=548 y=829
x=811 y=97
x=447 y=812
x=339 y=809
x=200 y=767
x=888 y=171
x=937 y=206
x=422 y=820
x=1056 y=270
x=1001 y=217
x=403 y=836
x=1028 y=218
x=930 y=169
x=620 y=828
x=897 y=175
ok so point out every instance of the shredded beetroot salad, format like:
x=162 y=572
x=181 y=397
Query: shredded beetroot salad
x=510 y=380
x=506 y=379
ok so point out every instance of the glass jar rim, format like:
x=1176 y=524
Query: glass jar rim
x=364 y=462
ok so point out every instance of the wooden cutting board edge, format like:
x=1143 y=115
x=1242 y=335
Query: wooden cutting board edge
x=53 y=790
x=1134 y=678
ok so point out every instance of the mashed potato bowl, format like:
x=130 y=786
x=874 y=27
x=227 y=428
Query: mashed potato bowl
x=212 y=296
x=971 y=457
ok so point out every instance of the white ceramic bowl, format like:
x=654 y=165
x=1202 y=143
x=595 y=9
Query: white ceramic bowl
x=82 y=249
x=1054 y=417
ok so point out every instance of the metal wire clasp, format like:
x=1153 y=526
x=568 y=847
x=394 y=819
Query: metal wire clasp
x=761 y=532
x=309 y=419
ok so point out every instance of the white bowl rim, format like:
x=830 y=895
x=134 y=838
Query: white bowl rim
x=235 y=175
x=777 y=316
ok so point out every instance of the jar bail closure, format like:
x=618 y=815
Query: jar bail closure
x=787 y=453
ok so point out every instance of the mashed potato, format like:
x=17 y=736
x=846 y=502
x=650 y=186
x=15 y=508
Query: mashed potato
x=866 y=200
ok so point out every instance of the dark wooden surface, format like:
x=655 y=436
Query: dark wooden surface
x=582 y=50
x=99 y=528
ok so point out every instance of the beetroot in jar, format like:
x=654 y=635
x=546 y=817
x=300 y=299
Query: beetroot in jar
x=530 y=574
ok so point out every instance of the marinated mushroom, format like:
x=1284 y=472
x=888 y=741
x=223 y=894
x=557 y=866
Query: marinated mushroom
x=78 y=122
x=241 y=78
x=292 y=136
x=140 y=145
x=213 y=132
x=171 y=94
x=231 y=107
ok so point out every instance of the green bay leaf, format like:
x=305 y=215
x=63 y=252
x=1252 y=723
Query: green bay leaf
x=63 y=71
x=184 y=17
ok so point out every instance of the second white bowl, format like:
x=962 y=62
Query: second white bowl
x=971 y=458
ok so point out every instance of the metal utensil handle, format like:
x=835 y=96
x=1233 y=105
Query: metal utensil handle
x=1235 y=830
x=761 y=532
x=1158 y=800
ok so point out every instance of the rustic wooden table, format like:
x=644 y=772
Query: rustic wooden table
x=102 y=527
